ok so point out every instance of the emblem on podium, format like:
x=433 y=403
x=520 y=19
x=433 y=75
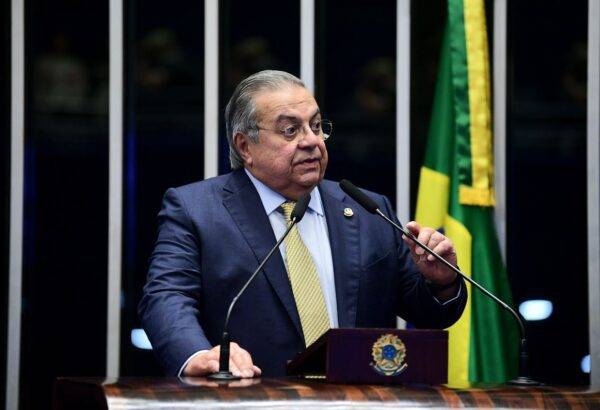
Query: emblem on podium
x=388 y=355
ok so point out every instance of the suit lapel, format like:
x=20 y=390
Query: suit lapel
x=344 y=240
x=245 y=207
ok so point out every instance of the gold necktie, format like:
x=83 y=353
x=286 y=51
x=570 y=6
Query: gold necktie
x=305 y=283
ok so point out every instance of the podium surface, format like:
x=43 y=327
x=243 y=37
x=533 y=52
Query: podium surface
x=292 y=392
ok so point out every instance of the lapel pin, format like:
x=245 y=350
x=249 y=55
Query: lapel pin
x=348 y=212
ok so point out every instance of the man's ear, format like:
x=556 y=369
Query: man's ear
x=241 y=143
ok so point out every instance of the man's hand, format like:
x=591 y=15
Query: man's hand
x=431 y=268
x=240 y=363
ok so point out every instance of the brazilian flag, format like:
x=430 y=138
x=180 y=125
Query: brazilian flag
x=456 y=195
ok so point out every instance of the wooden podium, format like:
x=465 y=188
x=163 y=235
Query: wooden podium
x=376 y=356
x=293 y=393
x=363 y=368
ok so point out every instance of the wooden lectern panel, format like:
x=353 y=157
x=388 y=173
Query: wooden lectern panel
x=291 y=393
x=376 y=356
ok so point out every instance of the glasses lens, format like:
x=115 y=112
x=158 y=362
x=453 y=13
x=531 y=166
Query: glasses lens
x=327 y=128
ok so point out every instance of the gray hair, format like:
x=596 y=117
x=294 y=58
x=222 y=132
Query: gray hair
x=240 y=113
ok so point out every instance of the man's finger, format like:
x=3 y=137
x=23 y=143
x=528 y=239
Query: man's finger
x=411 y=244
x=257 y=371
x=199 y=364
x=234 y=369
x=212 y=366
x=243 y=357
x=423 y=237
x=244 y=362
x=443 y=249
x=213 y=353
x=413 y=227
x=435 y=239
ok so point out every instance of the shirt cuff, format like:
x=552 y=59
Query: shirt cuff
x=179 y=374
x=449 y=300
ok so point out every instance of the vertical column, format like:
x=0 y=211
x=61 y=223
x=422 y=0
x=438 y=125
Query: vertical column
x=403 y=109
x=115 y=195
x=593 y=176
x=16 y=202
x=499 y=115
x=211 y=88
x=403 y=115
x=307 y=43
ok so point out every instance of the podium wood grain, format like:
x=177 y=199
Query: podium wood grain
x=292 y=393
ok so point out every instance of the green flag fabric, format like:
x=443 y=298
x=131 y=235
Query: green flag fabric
x=456 y=195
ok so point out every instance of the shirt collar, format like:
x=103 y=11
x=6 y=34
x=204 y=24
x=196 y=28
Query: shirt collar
x=271 y=199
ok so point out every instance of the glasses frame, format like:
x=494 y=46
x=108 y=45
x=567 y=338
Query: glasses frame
x=323 y=121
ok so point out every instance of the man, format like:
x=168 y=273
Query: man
x=341 y=267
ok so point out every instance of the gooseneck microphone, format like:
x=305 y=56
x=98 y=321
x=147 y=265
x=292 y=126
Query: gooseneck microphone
x=371 y=206
x=224 y=373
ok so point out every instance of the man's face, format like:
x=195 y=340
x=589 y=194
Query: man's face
x=288 y=165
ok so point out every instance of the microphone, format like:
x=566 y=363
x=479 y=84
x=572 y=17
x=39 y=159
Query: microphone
x=371 y=206
x=224 y=374
x=299 y=210
x=359 y=196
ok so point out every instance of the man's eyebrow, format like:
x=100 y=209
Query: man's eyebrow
x=284 y=117
x=318 y=112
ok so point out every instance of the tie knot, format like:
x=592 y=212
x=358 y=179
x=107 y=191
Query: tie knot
x=288 y=207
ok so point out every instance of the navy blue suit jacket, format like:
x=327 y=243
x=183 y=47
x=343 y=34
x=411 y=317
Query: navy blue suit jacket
x=212 y=235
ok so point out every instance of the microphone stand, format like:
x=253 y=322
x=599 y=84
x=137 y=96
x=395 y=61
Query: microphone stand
x=523 y=378
x=224 y=374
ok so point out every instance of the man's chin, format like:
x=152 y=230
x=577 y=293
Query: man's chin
x=310 y=180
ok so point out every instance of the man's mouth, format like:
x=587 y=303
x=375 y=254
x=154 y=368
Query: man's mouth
x=308 y=161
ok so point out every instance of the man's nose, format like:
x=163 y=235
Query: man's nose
x=308 y=138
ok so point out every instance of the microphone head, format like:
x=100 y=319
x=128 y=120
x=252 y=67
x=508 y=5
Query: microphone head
x=359 y=196
x=300 y=208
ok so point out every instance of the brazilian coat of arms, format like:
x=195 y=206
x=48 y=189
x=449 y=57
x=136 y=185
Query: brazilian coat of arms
x=388 y=355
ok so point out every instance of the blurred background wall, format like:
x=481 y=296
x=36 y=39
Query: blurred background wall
x=63 y=309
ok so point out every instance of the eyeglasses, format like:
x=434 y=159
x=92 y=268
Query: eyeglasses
x=290 y=132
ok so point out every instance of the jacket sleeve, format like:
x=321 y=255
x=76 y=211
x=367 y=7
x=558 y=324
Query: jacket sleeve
x=169 y=306
x=417 y=304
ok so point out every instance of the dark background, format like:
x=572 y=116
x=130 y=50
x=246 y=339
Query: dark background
x=253 y=38
x=163 y=141
x=66 y=158
x=356 y=89
x=66 y=195
x=547 y=180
